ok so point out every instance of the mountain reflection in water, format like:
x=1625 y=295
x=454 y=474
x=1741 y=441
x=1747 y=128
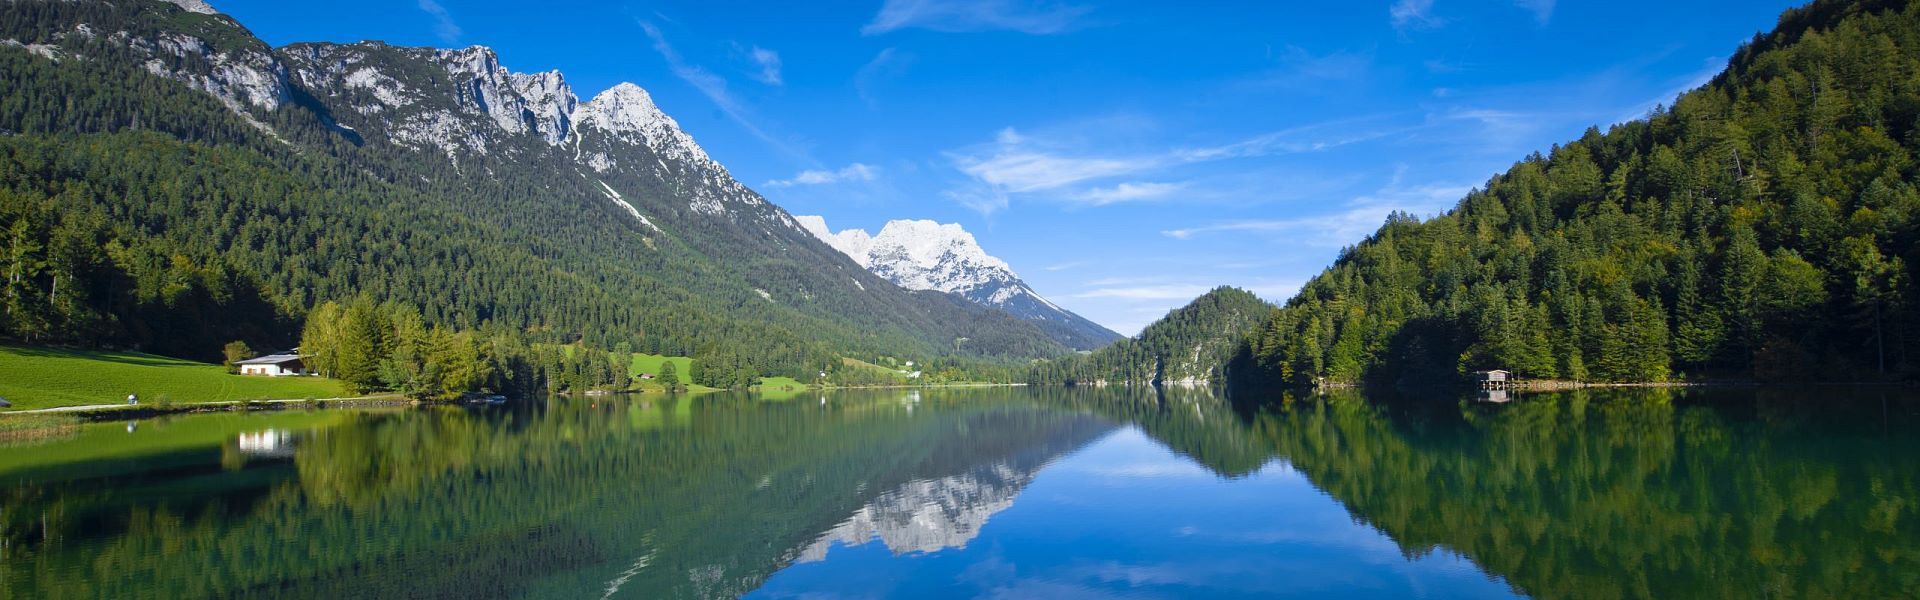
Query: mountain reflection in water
x=1010 y=492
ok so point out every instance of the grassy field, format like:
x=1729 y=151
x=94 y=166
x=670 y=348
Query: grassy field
x=44 y=378
x=856 y=364
x=651 y=363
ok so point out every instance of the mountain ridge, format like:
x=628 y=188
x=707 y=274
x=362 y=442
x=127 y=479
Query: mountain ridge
x=945 y=257
x=440 y=179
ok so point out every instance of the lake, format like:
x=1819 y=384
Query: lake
x=1002 y=492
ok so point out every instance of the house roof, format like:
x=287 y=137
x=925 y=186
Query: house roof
x=272 y=359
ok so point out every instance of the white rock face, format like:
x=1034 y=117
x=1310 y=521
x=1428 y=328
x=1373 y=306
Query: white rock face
x=198 y=6
x=626 y=110
x=47 y=51
x=239 y=79
x=480 y=106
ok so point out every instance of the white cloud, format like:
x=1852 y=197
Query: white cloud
x=1014 y=165
x=1358 y=218
x=1413 y=14
x=1542 y=9
x=1037 y=17
x=769 y=62
x=852 y=172
x=714 y=87
x=1129 y=191
x=444 y=26
x=1147 y=292
x=1019 y=164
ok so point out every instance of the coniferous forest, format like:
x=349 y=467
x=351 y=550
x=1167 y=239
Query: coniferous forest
x=138 y=212
x=1762 y=227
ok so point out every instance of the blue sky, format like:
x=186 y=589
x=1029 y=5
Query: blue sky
x=1124 y=157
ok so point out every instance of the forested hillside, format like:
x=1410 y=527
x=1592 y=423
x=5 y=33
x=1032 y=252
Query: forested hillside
x=1761 y=227
x=1203 y=342
x=169 y=183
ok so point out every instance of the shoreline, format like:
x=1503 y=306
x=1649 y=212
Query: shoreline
x=109 y=412
x=112 y=412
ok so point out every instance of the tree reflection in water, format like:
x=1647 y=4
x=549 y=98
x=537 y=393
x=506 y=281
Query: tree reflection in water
x=1577 y=495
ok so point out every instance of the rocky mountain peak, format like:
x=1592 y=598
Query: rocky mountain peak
x=945 y=257
x=919 y=254
x=626 y=110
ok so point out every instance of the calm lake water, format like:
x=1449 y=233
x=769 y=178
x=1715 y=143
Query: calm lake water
x=1034 y=493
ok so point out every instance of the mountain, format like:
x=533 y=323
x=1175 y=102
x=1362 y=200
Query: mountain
x=1765 y=226
x=175 y=183
x=924 y=255
x=1202 y=343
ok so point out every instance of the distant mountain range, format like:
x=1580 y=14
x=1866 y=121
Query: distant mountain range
x=925 y=255
x=280 y=178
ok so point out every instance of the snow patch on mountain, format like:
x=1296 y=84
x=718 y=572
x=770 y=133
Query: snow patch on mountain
x=622 y=201
x=919 y=255
x=925 y=255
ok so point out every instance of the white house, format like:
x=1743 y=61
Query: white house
x=275 y=365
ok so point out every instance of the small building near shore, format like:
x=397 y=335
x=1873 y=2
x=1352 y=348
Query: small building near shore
x=279 y=364
x=1493 y=380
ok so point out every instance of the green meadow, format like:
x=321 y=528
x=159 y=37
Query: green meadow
x=33 y=378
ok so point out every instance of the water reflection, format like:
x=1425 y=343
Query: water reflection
x=1038 y=492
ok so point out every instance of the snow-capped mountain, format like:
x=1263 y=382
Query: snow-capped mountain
x=925 y=255
x=600 y=200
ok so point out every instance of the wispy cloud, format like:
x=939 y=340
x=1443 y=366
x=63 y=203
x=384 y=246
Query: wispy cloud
x=1339 y=64
x=1147 y=292
x=444 y=26
x=1356 y=219
x=1413 y=14
x=888 y=63
x=714 y=87
x=1015 y=163
x=1442 y=66
x=980 y=198
x=769 y=63
x=1542 y=9
x=1057 y=267
x=1711 y=68
x=1129 y=191
x=1037 y=17
x=852 y=172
